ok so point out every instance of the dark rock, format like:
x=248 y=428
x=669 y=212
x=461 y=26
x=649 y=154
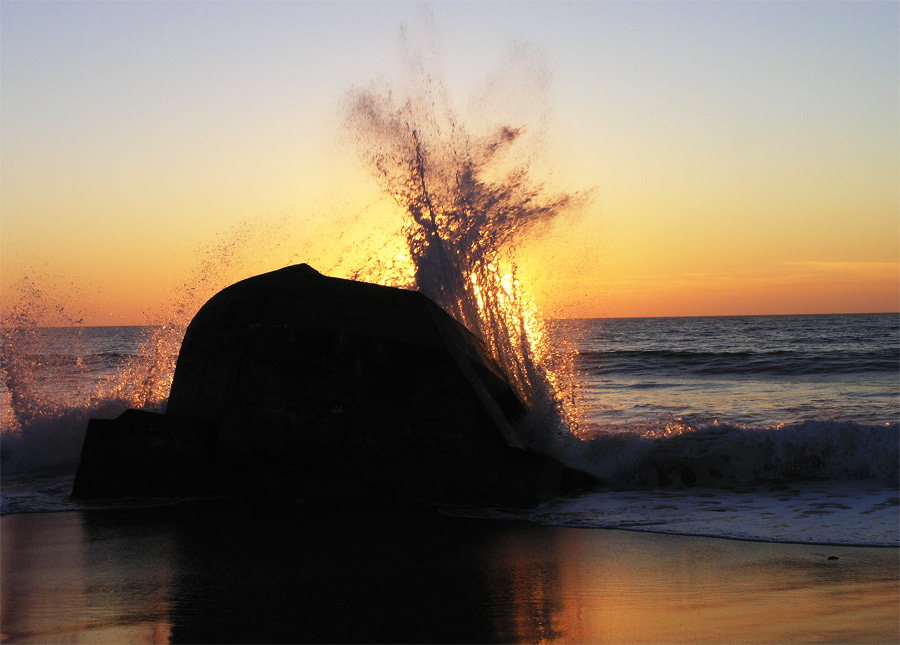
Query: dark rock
x=144 y=454
x=321 y=388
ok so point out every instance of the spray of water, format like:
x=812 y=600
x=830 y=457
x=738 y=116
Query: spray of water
x=145 y=381
x=49 y=390
x=24 y=355
x=465 y=212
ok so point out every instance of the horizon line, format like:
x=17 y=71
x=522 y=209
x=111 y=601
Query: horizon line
x=855 y=313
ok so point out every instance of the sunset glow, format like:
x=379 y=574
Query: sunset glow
x=733 y=158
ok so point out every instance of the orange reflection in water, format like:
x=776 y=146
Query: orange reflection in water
x=198 y=575
x=582 y=585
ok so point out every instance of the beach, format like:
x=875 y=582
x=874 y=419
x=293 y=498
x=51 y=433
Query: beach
x=219 y=572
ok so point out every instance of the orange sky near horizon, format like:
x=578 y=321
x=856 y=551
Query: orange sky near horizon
x=739 y=158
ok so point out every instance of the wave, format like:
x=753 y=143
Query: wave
x=775 y=363
x=677 y=454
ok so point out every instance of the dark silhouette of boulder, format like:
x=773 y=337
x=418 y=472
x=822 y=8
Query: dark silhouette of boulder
x=320 y=388
x=143 y=454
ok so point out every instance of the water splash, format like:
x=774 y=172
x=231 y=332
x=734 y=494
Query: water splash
x=24 y=355
x=29 y=424
x=145 y=381
x=464 y=215
x=44 y=414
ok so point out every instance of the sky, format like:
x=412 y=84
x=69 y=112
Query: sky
x=736 y=158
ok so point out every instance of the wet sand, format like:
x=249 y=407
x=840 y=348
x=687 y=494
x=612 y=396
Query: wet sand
x=217 y=573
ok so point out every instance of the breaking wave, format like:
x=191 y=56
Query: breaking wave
x=720 y=455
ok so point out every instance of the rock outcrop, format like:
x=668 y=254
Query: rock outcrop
x=146 y=454
x=321 y=388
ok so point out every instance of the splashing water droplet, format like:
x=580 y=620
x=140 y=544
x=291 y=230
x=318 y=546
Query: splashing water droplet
x=462 y=220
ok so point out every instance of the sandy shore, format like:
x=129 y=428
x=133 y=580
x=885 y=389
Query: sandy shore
x=210 y=573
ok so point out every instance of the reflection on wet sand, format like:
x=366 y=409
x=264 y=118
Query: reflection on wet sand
x=614 y=586
x=69 y=580
x=205 y=573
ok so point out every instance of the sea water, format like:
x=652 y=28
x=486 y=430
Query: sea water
x=796 y=417
x=774 y=428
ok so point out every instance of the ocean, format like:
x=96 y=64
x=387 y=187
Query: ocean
x=765 y=428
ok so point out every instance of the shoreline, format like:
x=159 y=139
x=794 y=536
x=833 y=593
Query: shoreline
x=449 y=511
x=730 y=538
x=217 y=572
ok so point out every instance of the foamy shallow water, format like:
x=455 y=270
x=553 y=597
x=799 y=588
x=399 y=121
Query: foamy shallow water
x=836 y=513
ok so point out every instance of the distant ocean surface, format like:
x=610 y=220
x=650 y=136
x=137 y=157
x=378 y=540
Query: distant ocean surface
x=756 y=371
x=771 y=428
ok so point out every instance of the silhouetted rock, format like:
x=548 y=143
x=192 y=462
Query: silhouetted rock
x=143 y=453
x=321 y=388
